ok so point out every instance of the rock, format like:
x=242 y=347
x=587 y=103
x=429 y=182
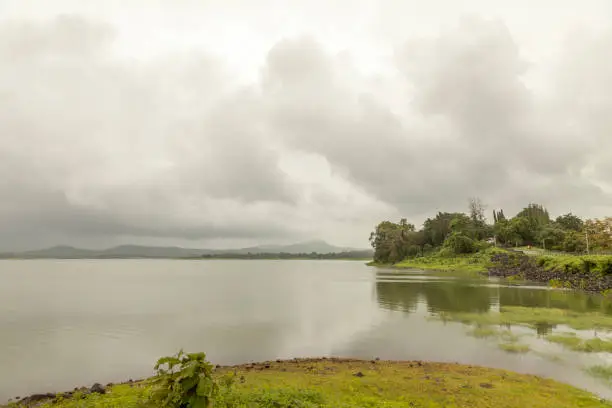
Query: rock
x=34 y=398
x=486 y=385
x=97 y=389
x=359 y=374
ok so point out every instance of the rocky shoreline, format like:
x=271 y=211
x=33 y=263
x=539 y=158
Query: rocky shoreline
x=517 y=264
x=35 y=400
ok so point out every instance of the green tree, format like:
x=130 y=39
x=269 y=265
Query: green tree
x=438 y=228
x=552 y=236
x=509 y=232
x=498 y=216
x=537 y=218
x=392 y=242
x=458 y=243
x=569 y=222
x=477 y=210
x=574 y=242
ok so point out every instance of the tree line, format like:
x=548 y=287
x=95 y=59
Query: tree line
x=366 y=254
x=452 y=233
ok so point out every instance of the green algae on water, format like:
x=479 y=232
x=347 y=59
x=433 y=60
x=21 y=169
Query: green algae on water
x=533 y=317
x=573 y=342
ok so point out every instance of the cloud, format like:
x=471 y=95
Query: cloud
x=98 y=147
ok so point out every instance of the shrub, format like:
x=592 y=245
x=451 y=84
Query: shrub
x=458 y=243
x=185 y=381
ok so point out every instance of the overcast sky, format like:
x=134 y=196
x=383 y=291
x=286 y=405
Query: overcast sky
x=221 y=123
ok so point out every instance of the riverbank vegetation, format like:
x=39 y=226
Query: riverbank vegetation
x=338 y=383
x=468 y=242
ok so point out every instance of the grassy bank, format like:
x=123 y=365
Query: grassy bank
x=470 y=264
x=313 y=383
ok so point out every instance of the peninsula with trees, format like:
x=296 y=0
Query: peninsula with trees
x=565 y=251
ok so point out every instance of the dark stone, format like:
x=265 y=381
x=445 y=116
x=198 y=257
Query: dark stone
x=37 y=398
x=359 y=374
x=97 y=389
x=486 y=385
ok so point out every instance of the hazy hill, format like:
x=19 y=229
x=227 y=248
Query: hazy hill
x=139 y=251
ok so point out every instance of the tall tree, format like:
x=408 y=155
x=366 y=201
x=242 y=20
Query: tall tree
x=438 y=228
x=477 y=210
x=569 y=222
x=498 y=216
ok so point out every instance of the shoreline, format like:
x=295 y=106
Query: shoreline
x=339 y=379
x=587 y=273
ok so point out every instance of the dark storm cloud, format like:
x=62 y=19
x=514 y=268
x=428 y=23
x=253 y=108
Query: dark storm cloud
x=94 y=145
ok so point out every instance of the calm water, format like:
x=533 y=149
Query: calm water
x=70 y=323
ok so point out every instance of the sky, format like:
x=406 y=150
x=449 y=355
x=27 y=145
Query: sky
x=231 y=123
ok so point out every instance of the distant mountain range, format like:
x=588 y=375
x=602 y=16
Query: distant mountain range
x=139 y=251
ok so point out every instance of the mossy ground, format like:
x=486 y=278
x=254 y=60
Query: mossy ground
x=312 y=383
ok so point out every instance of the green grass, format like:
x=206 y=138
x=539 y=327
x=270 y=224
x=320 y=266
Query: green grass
x=332 y=383
x=469 y=264
x=597 y=264
x=573 y=342
x=532 y=317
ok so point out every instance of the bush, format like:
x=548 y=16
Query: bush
x=186 y=382
x=482 y=246
x=458 y=243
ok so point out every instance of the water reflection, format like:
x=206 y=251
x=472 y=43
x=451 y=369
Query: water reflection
x=467 y=295
x=109 y=320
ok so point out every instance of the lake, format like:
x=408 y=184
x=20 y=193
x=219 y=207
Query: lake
x=70 y=323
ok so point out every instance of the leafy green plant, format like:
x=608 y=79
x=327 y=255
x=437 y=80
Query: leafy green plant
x=185 y=381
